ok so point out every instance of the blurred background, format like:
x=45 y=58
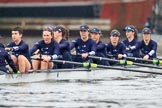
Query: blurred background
x=33 y=15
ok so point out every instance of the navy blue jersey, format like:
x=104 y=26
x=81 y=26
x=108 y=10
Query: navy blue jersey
x=1 y=45
x=4 y=56
x=101 y=52
x=114 y=51
x=64 y=46
x=21 y=49
x=149 y=49
x=81 y=46
x=51 y=49
x=65 y=53
x=134 y=51
x=101 y=48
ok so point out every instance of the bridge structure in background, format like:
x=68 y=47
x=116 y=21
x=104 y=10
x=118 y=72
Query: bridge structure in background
x=40 y=23
x=37 y=24
x=105 y=14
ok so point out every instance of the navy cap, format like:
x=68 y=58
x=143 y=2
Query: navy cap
x=146 y=31
x=129 y=28
x=50 y=28
x=57 y=28
x=115 y=32
x=84 y=27
x=95 y=30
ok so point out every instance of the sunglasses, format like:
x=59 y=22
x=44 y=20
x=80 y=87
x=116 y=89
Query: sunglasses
x=128 y=28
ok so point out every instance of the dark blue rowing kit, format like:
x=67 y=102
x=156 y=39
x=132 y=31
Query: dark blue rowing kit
x=4 y=56
x=51 y=49
x=149 y=49
x=133 y=51
x=81 y=47
x=65 y=53
x=113 y=51
x=101 y=52
x=21 y=49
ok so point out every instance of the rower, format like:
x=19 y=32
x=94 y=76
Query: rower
x=1 y=45
x=148 y=47
x=6 y=57
x=83 y=45
x=131 y=35
x=61 y=35
x=96 y=34
x=44 y=51
x=20 y=50
x=115 y=49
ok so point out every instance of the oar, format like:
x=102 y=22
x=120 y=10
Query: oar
x=93 y=65
x=124 y=62
x=154 y=61
x=58 y=70
x=3 y=72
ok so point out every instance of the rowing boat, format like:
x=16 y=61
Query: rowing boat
x=71 y=74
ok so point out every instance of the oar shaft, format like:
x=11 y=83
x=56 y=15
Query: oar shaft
x=138 y=59
x=103 y=58
x=92 y=65
x=154 y=61
x=124 y=62
x=67 y=62
x=144 y=65
x=131 y=70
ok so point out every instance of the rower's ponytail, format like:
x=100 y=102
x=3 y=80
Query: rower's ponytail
x=135 y=31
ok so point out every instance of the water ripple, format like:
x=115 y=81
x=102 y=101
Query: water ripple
x=134 y=93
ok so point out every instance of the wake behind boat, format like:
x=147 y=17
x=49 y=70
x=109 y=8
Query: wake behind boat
x=76 y=74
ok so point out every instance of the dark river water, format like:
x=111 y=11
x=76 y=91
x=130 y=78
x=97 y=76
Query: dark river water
x=130 y=93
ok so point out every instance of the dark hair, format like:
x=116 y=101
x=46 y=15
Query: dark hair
x=19 y=29
x=65 y=33
x=1 y=45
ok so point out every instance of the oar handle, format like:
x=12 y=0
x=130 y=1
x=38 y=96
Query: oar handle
x=128 y=62
x=155 y=61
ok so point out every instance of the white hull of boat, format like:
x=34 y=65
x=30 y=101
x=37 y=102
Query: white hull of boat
x=70 y=74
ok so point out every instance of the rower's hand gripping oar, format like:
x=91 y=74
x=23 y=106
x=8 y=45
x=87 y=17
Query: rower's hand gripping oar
x=125 y=62
x=155 y=61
